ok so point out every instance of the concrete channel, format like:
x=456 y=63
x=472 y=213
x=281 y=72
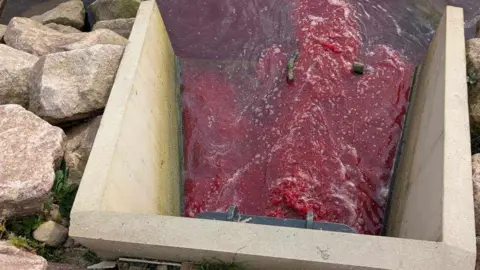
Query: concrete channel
x=128 y=204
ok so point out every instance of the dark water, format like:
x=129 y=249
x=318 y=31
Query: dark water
x=223 y=29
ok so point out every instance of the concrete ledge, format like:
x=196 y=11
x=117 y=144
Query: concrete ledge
x=128 y=201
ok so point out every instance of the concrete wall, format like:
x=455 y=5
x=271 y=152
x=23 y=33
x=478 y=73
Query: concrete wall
x=125 y=186
x=432 y=197
x=134 y=164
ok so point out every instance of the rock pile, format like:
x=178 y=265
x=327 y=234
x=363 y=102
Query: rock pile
x=55 y=81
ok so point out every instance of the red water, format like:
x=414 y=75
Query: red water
x=324 y=143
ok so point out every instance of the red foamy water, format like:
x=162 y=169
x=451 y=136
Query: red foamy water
x=325 y=143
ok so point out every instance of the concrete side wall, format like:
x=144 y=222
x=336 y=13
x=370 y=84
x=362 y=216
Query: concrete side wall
x=432 y=197
x=134 y=164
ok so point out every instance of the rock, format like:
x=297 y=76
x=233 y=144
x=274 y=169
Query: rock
x=476 y=190
x=3 y=28
x=63 y=28
x=33 y=37
x=13 y=258
x=15 y=70
x=79 y=144
x=123 y=27
x=71 y=13
x=51 y=233
x=30 y=150
x=473 y=72
x=104 y=10
x=73 y=85
x=100 y=36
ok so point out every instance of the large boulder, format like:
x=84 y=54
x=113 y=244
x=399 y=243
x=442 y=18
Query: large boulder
x=73 y=85
x=476 y=190
x=33 y=37
x=13 y=258
x=15 y=70
x=79 y=145
x=123 y=27
x=114 y=9
x=71 y=13
x=473 y=72
x=30 y=150
x=63 y=28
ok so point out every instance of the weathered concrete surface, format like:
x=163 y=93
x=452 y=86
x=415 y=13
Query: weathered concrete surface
x=15 y=69
x=71 y=13
x=114 y=9
x=63 y=28
x=33 y=37
x=51 y=233
x=30 y=150
x=12 y=258
x=79 y=145
x=73 y=85
x=122 y=27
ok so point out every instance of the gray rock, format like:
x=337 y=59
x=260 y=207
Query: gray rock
x=100 y=36
x=3 y=28
x=71 y=13
x=33 y=37
x=473 y=71
x=63 y=28
x=73 y=85
x=30 y=150
x=13 y=258
x=114 y=9
x=79 y=145
x=476 y=190
x=51 y=233
x=123 y=27
x=15 y=70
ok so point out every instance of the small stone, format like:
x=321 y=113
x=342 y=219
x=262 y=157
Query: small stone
x=32 y=37
x=3 y=28
x=51 y=233
x=74 y=85
x=15 y=69
x=13 y=258
x=31 y=149
x=79 y=144
x=476 y=190
x=114 y=9
x=71 y=13
x=63 y=28
x=123 y=27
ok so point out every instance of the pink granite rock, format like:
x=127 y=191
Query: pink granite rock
x=12 y=258
x=30 y=150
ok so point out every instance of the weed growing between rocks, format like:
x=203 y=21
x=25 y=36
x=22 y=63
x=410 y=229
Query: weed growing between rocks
x=57 y=207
